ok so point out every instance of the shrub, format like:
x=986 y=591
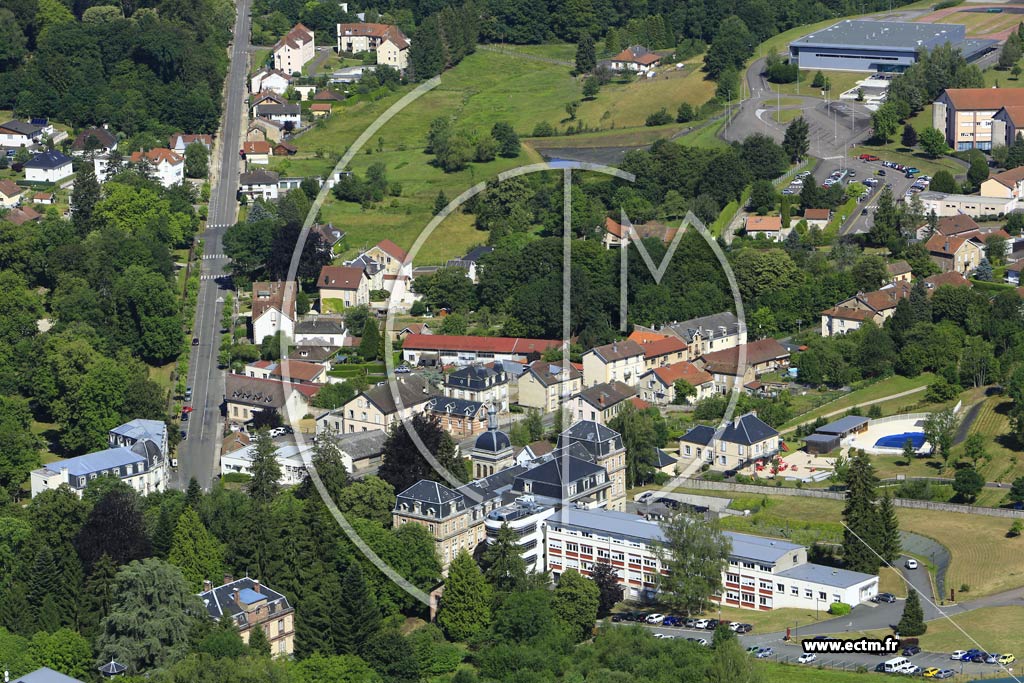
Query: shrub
x=1015 y=529
x=235 y=478
x=965 y=588
x=543 y=130
x=839 y=609
x=659 y=118
x=714 y=476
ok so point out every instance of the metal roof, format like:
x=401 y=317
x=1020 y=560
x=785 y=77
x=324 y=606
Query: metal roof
x=890 y=35
x=97 y=462
x=843 y=425
x=154 y=430
x=826 y=576
x=46 y=675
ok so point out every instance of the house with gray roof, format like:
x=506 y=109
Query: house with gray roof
x=715 y=332
x=738 y=443
x=481 y=383
x=458 y=416
x=376 y=407
x=602 y=402
x=621 y=361
x=321 y=330
x=547 y=386
x=248 y=605
x=45 y=675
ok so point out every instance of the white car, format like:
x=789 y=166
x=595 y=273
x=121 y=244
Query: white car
x=806 y=658
x=958 y=654
x=733 y=625
x=700 y=623
x=910 y=670
x=911 y=563
x=663 y=636
x=655 y=618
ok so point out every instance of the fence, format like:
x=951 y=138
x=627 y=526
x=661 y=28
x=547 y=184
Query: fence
x=704 y=485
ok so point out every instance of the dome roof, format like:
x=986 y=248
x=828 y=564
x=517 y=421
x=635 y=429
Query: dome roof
x=493 y=441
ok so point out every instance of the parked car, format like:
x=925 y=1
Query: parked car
x=970 y=655
x=195 y=341
x=402 y=369
x=699 y=641
x=911 y=563
x=744 y=628
x=880 y=172
x=806 y=658
x=911 y=651
x=1007 y=659
x=930 y=672
x=945 y=673
x=662 y=635
x=188 y=394
x=700 y=623
x=958 y=655
x=884 y=597
x=992 y=658
x=911 y=670
x=655 y=618
x=712 y=624
x=672 y=621
x=979 y=658
x=765 y=652
x=753 y=649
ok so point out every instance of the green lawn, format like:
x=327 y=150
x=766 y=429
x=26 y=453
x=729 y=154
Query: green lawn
x=993 y=629
x=896 y=152
x=619 y=137
x=993 y=423
x=786 y=115
x=795 y=673
x=841 y=82
x=705 y=137
x=886 y=387
x=563 y=51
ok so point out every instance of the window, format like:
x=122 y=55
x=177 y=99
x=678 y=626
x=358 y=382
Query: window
x=794 y=591
x=808 y=593
x=764 y=601
x=732 y=578
x=780 y=588
x=572 y=547
x=821 y=595
x=280 y=626
x=748 y=565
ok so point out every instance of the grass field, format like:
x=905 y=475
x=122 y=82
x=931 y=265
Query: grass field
x=563 y=51
x=786 y=115
x=794 y=673
x=993 y=629
x=886 y=387
x=841 y=82
x=889 y=581
x=982 y=23
x=705 y=137
x=620 y=137
x=993 y=422
x=893 y=152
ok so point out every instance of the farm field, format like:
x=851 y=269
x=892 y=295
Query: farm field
x=978 y=23
x=795 y=673
x=993 y=422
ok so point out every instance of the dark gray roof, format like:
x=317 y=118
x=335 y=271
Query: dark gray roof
x=550 y=472
x=489 y=488
x=824 y=439
x=607 y=394
x=277 y=109
x=313 y=353
x=22 y=127
x=413 y=390
x=48 y=160
x=893 y=35
x=593 y=438
x=320 y=325
x=827 y=576
x=474 y=254
x=747 y=430
x=664 y=459
x=46 y=675
x=259 y=177
x=475 y=377
x=492 y=441
x=453 y=406
x=220 y=601
x=548 y=373
x=103 y=136
x=701 y=434
x=709 y=326
x=843 y=425
x=426 y=491
x=618 y=350
x=361 y=445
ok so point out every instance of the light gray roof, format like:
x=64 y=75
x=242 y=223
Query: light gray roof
x=892 y=35
x=46 y=675
x=843 y=425
x=709 y=326
x=154 y=430
x=827 y=576
x=362 y=445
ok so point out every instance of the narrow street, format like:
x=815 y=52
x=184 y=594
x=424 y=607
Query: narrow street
x=197 y=454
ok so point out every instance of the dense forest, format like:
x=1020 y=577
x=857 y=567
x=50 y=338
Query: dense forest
x=138 y=66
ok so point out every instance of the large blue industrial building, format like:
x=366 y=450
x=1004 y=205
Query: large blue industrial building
x=886 y=46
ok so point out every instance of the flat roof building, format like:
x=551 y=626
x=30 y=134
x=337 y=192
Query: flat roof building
x=888 y=46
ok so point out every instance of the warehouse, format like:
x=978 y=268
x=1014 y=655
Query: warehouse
x=887 y=46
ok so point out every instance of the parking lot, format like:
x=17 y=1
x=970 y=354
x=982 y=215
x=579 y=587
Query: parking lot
x=861 y=222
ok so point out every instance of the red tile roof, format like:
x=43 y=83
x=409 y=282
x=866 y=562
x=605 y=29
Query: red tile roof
x=450 y=342
x=846 y=313
x=884 y=299
x=646 y=336
x=158 y=155
x=946 y=245
x=9 y=188
x=636 y=54
x=760 y=351
x=967 y=99
x=685 y=371
x=320 y=106
x=950 y=278
x=341 y=277
x=764 y=223
x=954 y=225
x=817 y=214
x=278 y=295
x=295 y=38
x=392 y=250
x=22 y=215
x=662 y=347
x=256 y=147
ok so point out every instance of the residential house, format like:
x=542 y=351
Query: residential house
x=708 y=333
x=167 y=166
x=179 y=142
x=457 y=416
x=290 y=459
x=245 y=396
x=45 y=198
x=664 y=351
x=284 y=114
x=470 y=260
x=479 y=383
x=619 y=361
x=950 y=278
x=315 y=353
x=413 y=328
x=601 y=402
x=321 y=330
x=636 y=58
x=10 y=194
x=320 y=110
x=345 y=284
x=769 y=226
x=376 y=408
x=327 y=95
x=295 y=49
x=619 y=235
x=966 y=116
x=744 y=363
x=97 y=141
x=388 y=42
x=273 y=80
x=273 y=309
x=547 y=386
x=330 y=236
x=392 y=257
x=956 y=252
x=741 y=441
x=284 y=149
x=760 y=574
x=1005 y=185
x=305 y=92
x=257 y=152
x=259 y=184
x=875 y=307
x=817 y=218
x=264 y=129
x=22 y=215
x=265 y=97
x=899 y=271
x=448 y=349
x=137 y=453
x=21 y=134
x=48 y=167
x=658 y=386
x=294 y=371
x=250 y=605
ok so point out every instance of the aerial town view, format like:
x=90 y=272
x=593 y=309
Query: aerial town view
x=511 y=341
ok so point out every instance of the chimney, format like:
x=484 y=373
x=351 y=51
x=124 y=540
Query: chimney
x=228 y=579
x=736 y=422
x=207 y=586
x=600 y=399
x=256 y=585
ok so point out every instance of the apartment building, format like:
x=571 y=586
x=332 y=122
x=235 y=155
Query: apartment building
x=375 y=408
x=967 y=116
x=621 y=361
x=250 y=605
x=479 y=383
x=294 y=50
x=547 y=386
x=601 y=402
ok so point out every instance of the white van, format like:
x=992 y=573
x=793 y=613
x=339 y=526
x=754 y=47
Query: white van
x=896 y=665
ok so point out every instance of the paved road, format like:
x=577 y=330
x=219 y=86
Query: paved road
x=197 y=455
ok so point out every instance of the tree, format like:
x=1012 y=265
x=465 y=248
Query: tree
x=98 y=596
x=642 y=432
x=974 y=449
x=909 y=452
x=368 y=498
x=195 y=551
x=19 y=447
x=84 y=196
x=862 y=534
x=797 y=141
x=869 y=272
x=586 y=55
x=115 y=527
x=912 y=621
x=939 y=429
x=685 y=113
x=149 y=621
x=571 y=108
x=1011 y=52
x=889 y=525
x=683 y=392
x=886 y=228
x=334 y=395
x=266 y=470
x=695 y=552
x=933 y=142
x=1016 y=494
x=465 y=610
x=403 y=463
x=606 y=578
x=358 y=616
x=63 y=650
x=576 y=603
x=968 y=483
x=762 y=196
x=258 y=644
x=369 y=346
x=885 y=121
x=508 y=140
x=730 y=48
x=909 y=138
x=591 y=86
x=505 y=567
x=977 y=172
x=819 y=80
x=730 y=664
x=197 y=160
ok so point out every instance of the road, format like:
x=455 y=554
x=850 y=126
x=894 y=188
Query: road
x=197 y=454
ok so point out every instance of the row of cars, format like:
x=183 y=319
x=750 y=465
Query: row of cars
x=797 y=184
x=981 y=657
x=700 y=623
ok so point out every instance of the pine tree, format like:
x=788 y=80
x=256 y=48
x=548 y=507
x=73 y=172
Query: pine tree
x=370 y=344
x=195 y=551
x=796 y=141
x=891 y=545
x=49 y=615
x=163 y=533
x=506 y=570
x=68 y=592
x=43 y=579
x=465 y=610
x=611 y=42
x=586 y=55
x=358 y=617
x=194 y=494
x=440 y=202
x=862 y=534
x=266 y=470
x=98 y=596
x=16 y=613
x=115 y=527
x=314 y=620
x=912 y=621
x=258 y=643
x=84 y=196
x=920 y=304
x=909 y=138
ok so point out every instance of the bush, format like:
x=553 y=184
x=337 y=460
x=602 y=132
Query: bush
x=714 y=476
x=659 y=118
x=946 y=4
x=1015 y=529
x=235 y=478
x=660 y=479
x=839 y=609
x=965 y=588
x=543 y=130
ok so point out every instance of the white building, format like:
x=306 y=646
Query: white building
x=616 y=362
x=21 y=134
x=283 y=114
x=289 y=457
x=294 y=50
x=526 y=518
x=321 y=331
x=271 y=80
x=259 y=184
x=48 y=167
x=390 y=44
x=273 y=309
x=167 y=166
x=138 y=455
x=762 y=573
